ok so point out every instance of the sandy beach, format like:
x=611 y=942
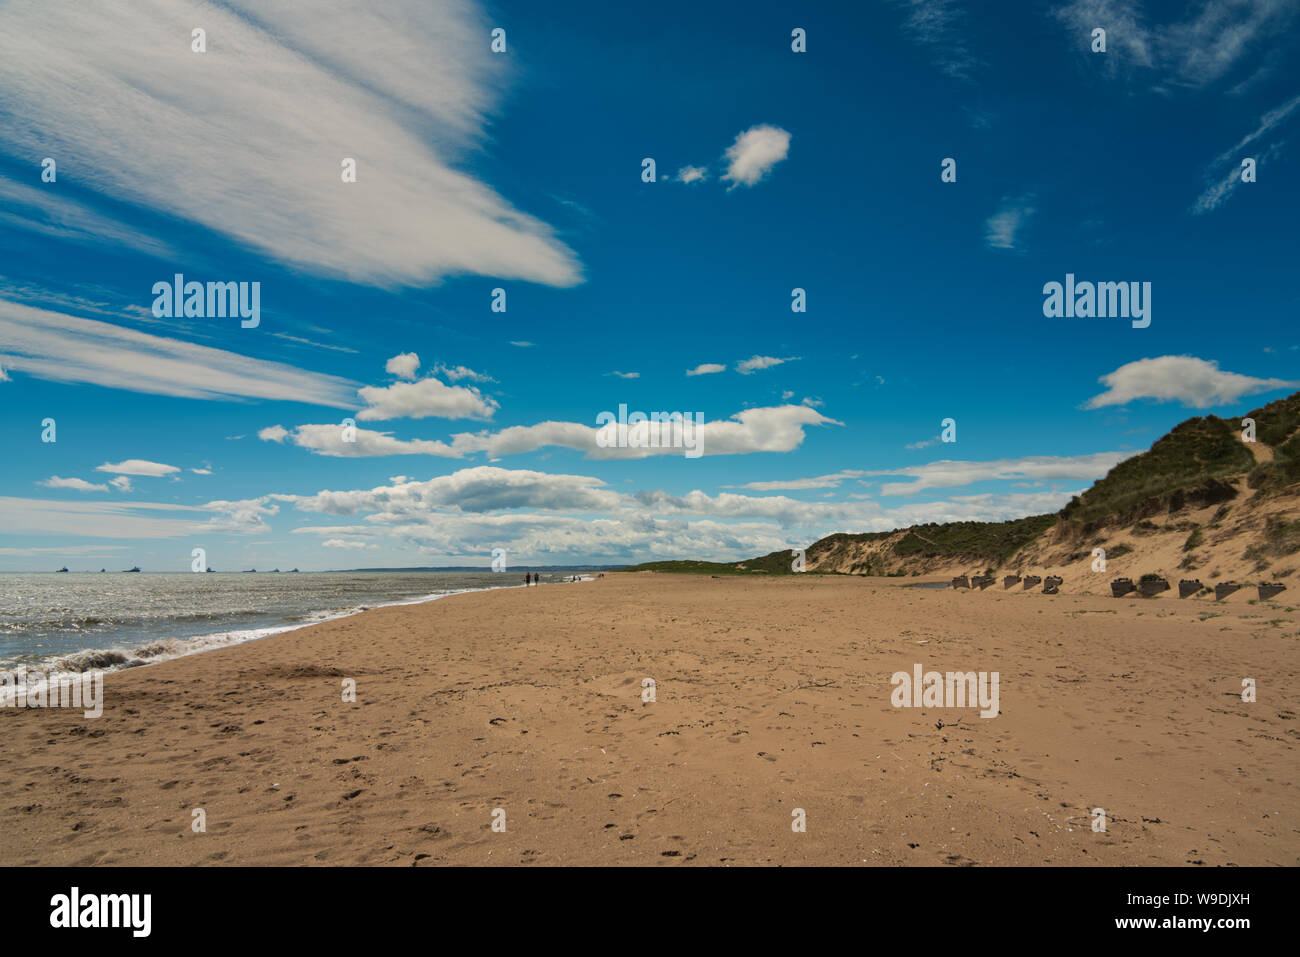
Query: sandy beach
x=771 y=695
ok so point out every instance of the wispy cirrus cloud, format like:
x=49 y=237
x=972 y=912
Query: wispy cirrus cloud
x=138 y=467
x=219 y=138
x=755 y=363
x=1223 y=174
x=1207 y=42
x=941 y=26
x=79 y=485
x=956 y=474
x=1003 y=229
x=63 y=348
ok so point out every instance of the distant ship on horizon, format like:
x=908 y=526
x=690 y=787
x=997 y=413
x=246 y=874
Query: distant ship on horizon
x=127 y=571
x=63 y=569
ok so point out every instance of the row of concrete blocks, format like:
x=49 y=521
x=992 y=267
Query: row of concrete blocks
x=1188 y=586
x=1051 y=586
x=1121 y=586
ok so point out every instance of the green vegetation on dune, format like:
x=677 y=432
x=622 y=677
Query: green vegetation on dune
x=688 y=568
x=995 y=541
x=1277 y=421
x=777 y=563
x=1195 y=464
x=1194 y=453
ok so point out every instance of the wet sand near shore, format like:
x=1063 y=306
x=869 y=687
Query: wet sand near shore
x=771 y=695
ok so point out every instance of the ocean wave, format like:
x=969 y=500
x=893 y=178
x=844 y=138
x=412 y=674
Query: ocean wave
x=118 y=657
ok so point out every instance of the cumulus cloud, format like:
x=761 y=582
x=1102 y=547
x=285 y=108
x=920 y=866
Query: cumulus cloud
x=403 y=365
x=423 y=399
x=754 y=153
x=456 y=373
x=248 y=139
x=769 y=429
x=1197 y=383
x=692 y=174
x=706 y=368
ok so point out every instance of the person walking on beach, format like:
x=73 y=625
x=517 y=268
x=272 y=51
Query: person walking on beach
x=527 y=579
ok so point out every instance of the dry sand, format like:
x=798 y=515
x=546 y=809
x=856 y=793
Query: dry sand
x=772 y=695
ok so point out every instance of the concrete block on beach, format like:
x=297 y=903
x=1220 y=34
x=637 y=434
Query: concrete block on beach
x=1032 y=580
x=1052 y=585
x=983 y=581
x=961 y=581
x=1010 y=580
x=1224 y=589
x=1121 y=587
x=1269 y=589
x=1189 y=586
x=1149 y=587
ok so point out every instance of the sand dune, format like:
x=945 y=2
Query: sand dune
x=771 y=695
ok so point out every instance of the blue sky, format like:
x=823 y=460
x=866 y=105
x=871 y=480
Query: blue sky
x=522 y=171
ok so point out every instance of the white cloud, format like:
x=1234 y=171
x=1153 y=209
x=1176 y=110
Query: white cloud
x=46 y=211
x=63 y=348
x=625 y=375
x=754 y=363
x=456 y=373
x=954 y=474
x=793 y=485
x=340 y=543
x=692 y=174
x=403 y=365
x=521 y=345
x=81 y=485
x=137 y=467
x=423 y=399
x=1003 y=227
x=115 y=519
x=121 y=483
x=1198 y=383
x=1223 y=174
x=706 y=368
x=1213 y=39
x=754 y=153
x=247 y=139
x=481 y=489
x=941 y=26
x=770 y=429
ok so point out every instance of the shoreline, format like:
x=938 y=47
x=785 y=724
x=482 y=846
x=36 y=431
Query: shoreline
x=98 y=658
x=771 y=696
